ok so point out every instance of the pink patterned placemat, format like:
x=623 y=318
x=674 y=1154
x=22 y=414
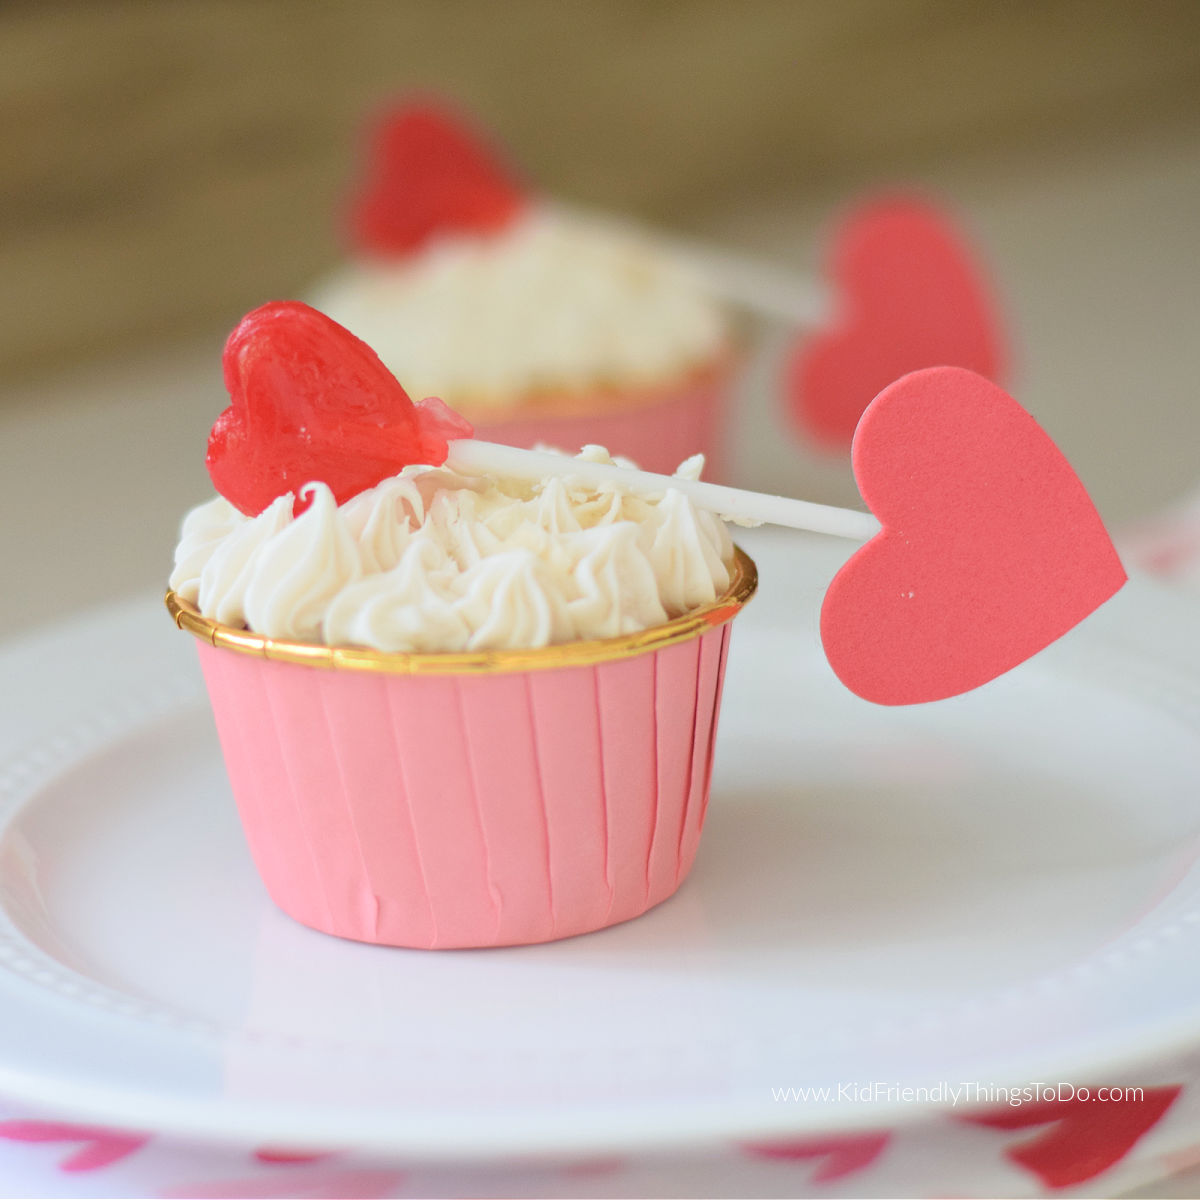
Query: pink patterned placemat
x=1065 y=1140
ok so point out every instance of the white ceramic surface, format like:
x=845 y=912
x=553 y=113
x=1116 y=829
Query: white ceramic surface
x=997 y=889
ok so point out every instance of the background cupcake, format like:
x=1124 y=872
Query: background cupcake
x=538 y=323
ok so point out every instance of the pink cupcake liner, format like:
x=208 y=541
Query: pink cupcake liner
x=656 y=428
x=482 y=808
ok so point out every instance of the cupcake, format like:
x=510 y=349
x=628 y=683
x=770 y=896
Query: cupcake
x=539 y=324
x=456 y=711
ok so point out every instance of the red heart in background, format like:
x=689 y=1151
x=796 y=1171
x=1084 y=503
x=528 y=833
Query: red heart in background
x=990 y=548
x=1088 y=1137
x=428 y=173
x=908 y=296
x=312 y=402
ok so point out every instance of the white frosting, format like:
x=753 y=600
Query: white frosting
x=555 y=302
x=435 y=561
x=301 y=569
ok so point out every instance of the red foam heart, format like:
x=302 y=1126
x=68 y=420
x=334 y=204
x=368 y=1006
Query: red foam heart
x=990 y=548
x=310 y=402
x=428 y=173
x=909 y=295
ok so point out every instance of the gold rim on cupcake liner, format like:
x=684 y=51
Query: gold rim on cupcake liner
x=482 y=662
x=607 y=396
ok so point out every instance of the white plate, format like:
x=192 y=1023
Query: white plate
x=994 y=889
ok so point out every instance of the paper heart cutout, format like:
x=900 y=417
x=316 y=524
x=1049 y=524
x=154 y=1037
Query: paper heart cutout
x=311 y=402
x=842 y=1154
x=97 y=1147
x=428 y=173
x=267 y=1154
x=1086 y=1136
x=990 y=550
x=324 y=1183
x=909 y=295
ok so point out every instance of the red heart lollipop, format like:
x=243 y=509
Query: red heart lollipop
x=427 y=173
x=909 y=296
x=990 y=548
x=312 y=402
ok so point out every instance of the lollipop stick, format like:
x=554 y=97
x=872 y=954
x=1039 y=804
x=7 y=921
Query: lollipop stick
x=471 y=457
x=748 y=283
x=740 y=280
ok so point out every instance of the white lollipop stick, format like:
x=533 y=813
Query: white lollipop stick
x=472 y=457
x=738 y=279
x=761 y=287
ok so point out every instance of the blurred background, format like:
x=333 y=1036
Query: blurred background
x=166 y=167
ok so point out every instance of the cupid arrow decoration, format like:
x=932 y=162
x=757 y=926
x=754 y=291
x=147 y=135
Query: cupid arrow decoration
x=990 y=550
x=907 y=294
x=983 y=548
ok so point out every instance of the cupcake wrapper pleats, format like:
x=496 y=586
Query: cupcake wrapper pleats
x=658 y=427
x=471 y=810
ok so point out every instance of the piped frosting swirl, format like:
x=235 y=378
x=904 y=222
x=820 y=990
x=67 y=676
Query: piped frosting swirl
x=557 y=302
x=431 y=560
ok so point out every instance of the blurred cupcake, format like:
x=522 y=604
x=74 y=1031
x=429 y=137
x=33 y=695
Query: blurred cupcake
x=455 y=711
x=538 y=324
